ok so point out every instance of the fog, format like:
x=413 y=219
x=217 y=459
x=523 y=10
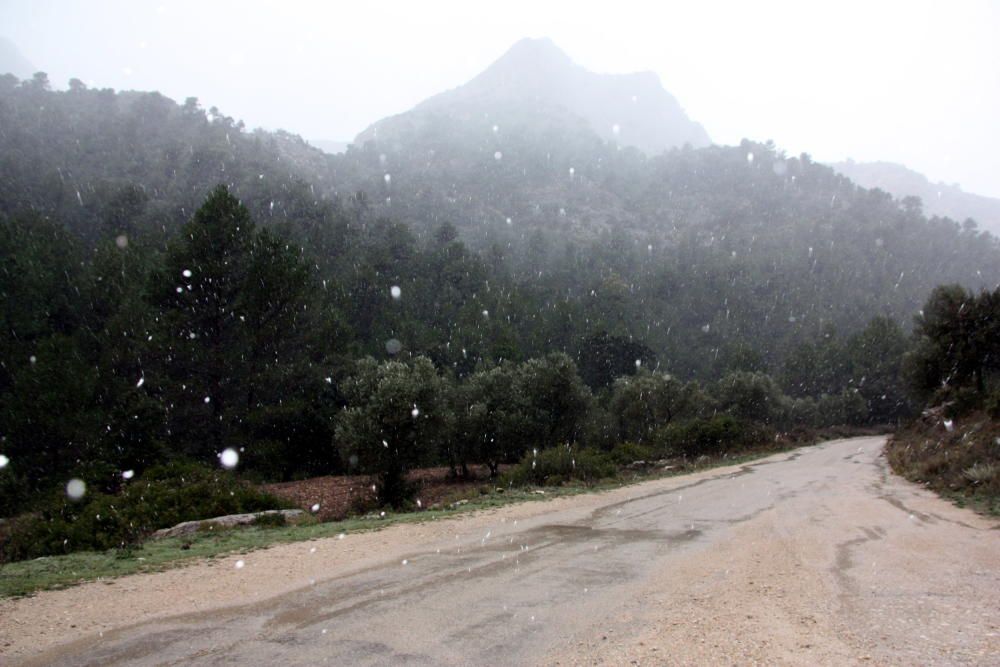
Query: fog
x=605 y=258
x=911 y=82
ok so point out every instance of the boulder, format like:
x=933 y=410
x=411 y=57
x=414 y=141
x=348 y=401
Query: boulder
x=222 y=522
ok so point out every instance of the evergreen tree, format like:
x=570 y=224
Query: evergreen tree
x=232 y=305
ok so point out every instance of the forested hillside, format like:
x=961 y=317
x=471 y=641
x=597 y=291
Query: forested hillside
x=939 y=199
x=174 y=286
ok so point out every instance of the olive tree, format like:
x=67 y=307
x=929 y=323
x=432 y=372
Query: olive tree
x=395 y=419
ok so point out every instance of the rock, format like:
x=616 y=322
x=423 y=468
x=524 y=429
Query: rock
x=221 y=522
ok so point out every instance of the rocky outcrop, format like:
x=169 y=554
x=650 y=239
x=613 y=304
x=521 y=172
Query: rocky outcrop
x=223 y=522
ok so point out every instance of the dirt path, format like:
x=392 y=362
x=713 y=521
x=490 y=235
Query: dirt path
x=813 y=557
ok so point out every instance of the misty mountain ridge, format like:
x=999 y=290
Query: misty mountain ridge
x=938 y=199
x=535 y=82
x=693 y=251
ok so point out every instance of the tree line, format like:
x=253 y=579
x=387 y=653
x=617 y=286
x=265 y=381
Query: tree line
x=228 y=341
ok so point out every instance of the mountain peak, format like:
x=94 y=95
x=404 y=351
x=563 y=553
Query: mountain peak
x=532 y=52
x=535 y=78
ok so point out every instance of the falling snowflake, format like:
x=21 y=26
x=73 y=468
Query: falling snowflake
x=229 y=458
x=76 y=489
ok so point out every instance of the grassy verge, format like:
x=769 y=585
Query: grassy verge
x=54 y=572
x=961 y=463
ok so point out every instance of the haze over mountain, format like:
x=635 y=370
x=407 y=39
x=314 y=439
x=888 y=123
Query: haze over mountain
x=331 y=146
x=938 y=199
x=536 y=80
x=13 y=62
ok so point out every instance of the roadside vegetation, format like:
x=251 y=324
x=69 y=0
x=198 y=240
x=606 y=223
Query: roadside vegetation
x=954 y=367
x=164 y=496
x=962 y=464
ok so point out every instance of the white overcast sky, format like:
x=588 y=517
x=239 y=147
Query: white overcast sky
x=904 y=81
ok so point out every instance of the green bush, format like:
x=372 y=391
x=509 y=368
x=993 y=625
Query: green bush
x=13 y=489
x=960 y=401
x=628 y=452
x=270 y=521
x=162 y=497
x=705 y=437
x=559 y=465
x=804 y=412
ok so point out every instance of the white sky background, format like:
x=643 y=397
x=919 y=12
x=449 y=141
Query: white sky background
x=904 y=81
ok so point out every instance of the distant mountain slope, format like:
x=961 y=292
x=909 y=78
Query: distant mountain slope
x=535 y=78
x=938 y=198
x=79 y=156
x=12 y=62
x=693 y=251
x=329 y=145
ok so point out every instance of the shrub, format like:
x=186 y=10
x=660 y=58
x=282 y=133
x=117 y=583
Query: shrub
x=13 y=490
x=162 y=497
x=718 y=435
x=751 y=396
x=559 y=465
x=847 y=407
x=270 y=521
x=628 y=452
x=961 y=401
x=982 y=473
x=804 y=412
x=600 y=429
